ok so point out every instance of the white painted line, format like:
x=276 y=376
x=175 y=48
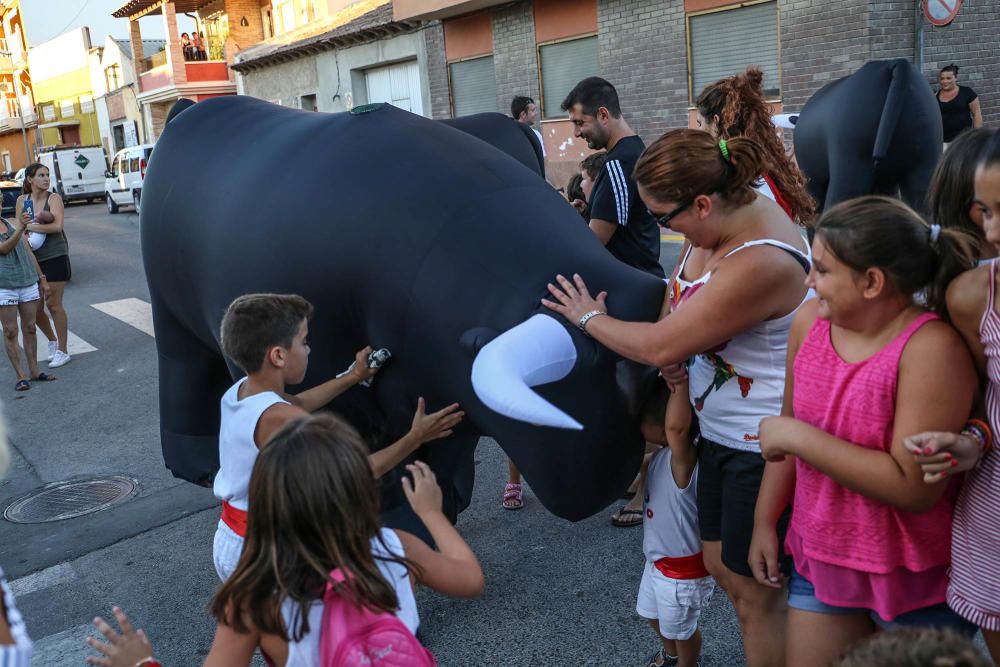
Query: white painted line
x=66 y=648
x=133 y=312
x=47 y=578
x=74 y=346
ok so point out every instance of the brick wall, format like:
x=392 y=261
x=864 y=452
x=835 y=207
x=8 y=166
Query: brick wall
x=437 y=70
x=890 y=29
x=515 y=59
x=820 y=42
x=245 y=36
x=970 y=42
x=642 y=51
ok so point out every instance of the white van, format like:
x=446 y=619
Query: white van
x=76 y=173
x=123 y=184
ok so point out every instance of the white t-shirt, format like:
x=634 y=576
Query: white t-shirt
x=237 y=448
x=670 y=517
x=305 y=653
x=540 y=140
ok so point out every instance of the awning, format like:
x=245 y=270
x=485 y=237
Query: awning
x=134 y=9
x=59 y=123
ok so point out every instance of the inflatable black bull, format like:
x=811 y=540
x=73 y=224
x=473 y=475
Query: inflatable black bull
x=877 y=131
x=408 y=234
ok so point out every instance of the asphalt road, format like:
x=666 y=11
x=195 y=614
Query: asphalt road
x=557 y=593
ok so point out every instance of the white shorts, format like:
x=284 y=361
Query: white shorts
x=675 y=603
x=11 y=296
x=226 y=550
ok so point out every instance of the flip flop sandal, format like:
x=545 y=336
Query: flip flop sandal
x=513 y=497
x=22 y=385
x=619 y=519
x=44 y=377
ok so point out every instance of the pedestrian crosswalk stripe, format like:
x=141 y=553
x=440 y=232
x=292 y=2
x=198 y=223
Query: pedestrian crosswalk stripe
x=74 y=345
x=133 y=312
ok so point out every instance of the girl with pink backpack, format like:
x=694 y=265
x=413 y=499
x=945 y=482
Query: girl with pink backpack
x=320 y=582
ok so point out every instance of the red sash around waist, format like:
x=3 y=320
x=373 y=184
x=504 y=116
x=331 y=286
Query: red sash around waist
x=236 y=519
x=685 y=567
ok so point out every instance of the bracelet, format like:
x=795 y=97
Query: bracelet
x=980 y=431
x=582 y=324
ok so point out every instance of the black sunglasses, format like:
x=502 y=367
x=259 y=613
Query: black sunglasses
x=664 y=220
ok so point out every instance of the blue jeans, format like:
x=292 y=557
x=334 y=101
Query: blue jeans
x=802 y=596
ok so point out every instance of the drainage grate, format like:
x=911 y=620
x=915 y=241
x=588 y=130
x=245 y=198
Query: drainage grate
x=72 y=498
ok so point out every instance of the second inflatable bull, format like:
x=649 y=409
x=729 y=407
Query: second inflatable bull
x=406 y=234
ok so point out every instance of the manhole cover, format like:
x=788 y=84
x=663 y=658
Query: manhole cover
x=65 y=500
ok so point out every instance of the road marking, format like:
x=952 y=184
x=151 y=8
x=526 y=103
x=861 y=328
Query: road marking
x=133 y=312
x=47 y=578
x=74 y=345
x=66 y=647
x=672 y=238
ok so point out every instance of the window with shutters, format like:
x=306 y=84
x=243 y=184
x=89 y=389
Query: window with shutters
x=473 y=86
x=563 y=65
x=723 y=43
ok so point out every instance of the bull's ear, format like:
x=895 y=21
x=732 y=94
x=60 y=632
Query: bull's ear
x=476 y=339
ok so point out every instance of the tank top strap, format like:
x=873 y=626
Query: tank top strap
x=47 y=198
x=896 y=346
x=989 y=318
x=684 y=260
x=803 y=258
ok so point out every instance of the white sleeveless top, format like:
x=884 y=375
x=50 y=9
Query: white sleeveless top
x=736 y=384
x=237 y=449
x=305 y=653
x=19 y=653
x=670 y=521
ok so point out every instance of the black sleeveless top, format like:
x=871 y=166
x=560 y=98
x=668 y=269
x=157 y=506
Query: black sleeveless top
x=956 y=115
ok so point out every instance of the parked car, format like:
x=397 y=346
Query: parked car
x=76 y=173
x=10 y=191
x=123 y=182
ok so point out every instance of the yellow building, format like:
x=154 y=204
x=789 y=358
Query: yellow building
x=64 y=98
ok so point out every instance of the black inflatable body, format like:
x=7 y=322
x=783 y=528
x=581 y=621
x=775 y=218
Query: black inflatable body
x=877 y=131
x=405 y=233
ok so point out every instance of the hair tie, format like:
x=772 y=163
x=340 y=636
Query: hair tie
x=935 y=234
x=724 y=149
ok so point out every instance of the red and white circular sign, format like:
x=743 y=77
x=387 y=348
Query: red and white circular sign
x=941 y=12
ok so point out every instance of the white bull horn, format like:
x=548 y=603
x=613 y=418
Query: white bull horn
x=535 y=352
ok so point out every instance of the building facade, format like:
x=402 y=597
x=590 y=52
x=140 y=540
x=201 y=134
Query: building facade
x=60 y=70
x=116 y=95
x=661 y=53
x=18 y=120
x=223 y=26
x=355 y=55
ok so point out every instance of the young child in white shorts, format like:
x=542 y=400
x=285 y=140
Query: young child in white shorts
x=675 y=585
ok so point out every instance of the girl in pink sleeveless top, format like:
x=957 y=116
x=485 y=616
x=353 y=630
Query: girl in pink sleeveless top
x=870 y=541
x=974 y=586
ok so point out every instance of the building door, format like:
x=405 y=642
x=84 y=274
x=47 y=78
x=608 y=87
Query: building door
x=6 y=161
x=71 y=135
x=399 y=85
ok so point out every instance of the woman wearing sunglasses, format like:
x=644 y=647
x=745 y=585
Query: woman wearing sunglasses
x=732 y=305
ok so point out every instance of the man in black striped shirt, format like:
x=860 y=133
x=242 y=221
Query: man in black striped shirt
x=617 y=215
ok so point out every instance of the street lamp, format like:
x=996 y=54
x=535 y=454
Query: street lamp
x=20 y=109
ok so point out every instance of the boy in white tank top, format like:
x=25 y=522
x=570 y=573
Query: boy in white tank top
x=265 y=335
x=675 y=585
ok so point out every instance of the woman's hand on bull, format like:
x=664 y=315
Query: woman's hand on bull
x=573 y=300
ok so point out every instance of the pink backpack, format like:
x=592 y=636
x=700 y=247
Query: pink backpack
x=352 y=636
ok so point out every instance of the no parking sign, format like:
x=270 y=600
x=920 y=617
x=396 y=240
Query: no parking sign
x=941 y=12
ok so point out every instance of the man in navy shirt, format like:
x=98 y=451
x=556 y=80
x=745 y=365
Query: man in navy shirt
x=617 y=215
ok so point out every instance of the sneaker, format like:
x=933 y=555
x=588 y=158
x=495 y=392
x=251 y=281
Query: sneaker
x=53 y=348
x=60 y=358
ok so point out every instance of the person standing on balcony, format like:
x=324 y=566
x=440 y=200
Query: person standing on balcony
x=186 y=45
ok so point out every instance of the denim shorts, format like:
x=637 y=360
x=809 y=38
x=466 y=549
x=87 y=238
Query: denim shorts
x=802 y=596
